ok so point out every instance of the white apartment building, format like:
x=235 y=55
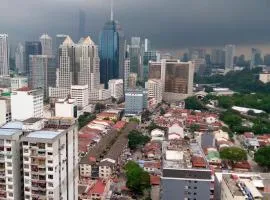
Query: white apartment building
x=5 y=110
x=116 y=88
x=66 y=108
x=4 y=55
x=264 y=77
x=50 y=161
x=26 y=103
x=56 y=92
x=10 y=164
x=81 y=94
x=154 y=87
x=18 y=82
x=100 y=95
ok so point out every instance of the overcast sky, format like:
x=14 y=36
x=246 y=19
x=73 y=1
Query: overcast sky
x=169 y=24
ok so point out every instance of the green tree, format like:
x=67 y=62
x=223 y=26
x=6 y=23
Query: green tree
x=153 y=126
x=136 y=139
x=133 y=119
x=85 y=119
x=137 y=179
x=194 y=127
x=262 y=157
x=233 y=154
x=162 y=111
x=231 y=119
x=193 y=103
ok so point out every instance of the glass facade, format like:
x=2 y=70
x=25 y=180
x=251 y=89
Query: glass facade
x=111 y=52
x=31 y=48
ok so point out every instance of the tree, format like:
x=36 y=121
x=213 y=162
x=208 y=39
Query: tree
x=146 y=115
x=231 y=119
x=137 y=179
x=133 y=119
x=85 y=119
x=233 y=154
x=193 y=103
x=194 y=127
x=162 y=111
x=136 y=139
x=262 y=156
x=100 y=106
x=153 y=126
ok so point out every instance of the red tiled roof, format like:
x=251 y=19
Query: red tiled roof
x=119 y=125
x=248 y=134
x=154 y=180
x=156 y=165
x=24 y=89
x=242 y=165
x=198 y=161
x=98 y=188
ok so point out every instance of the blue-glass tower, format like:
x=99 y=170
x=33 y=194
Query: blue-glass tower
x=111 y=51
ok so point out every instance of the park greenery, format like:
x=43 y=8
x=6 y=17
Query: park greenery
x=233 y=154
x=85 y=119
x=193 y=103
x=137 y=179
x=136 y=139
x=262 y=157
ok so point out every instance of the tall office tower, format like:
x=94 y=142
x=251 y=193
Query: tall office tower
x=185 y=173
x=38 y=69
x=177 y=79
x=66 y=73
x=4 y=55
x=31 y=48
x=116 y=88
x=81 y=94
x=10 y=164
x=150 y=56
x=218 y=57
x=26 y=103
x=87 y=63
x=195 y=53
x=50 y=161
x=19 y=59
x=59 y=39
x=154 y=87
x=111 y=52
x=135 y=54
x=132 y=80
x=135 y=101
x=229 y=56
x=51 y=72
x=147 y=45
x=255 y=58
x=46 y=45
x=154 y=70
x=82 y=19
x=126 y=72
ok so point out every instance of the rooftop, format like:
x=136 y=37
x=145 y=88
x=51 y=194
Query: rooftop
x=13 y=125
x=32 y=120
x=7 y=132
x=43 y=134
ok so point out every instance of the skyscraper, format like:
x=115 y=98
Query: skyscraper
x=60 y=38
x=66 y=74
x=87 y=63
x=255 y=58
x=19 y=59
x=38 y=67
x=111 y=52
x=82 y=16
x=31 y=48
x=4 y=55
x=135 y=53
x=229 y=55
x=46 y=44
x=218 y=57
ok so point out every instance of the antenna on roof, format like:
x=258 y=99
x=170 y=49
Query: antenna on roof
x=112 y=14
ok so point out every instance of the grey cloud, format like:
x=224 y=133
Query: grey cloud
x=168 y=23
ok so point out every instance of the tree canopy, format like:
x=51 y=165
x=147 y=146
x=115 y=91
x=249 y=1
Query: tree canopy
x=85 y=119
x=136 y=139
x=262 y=156
x=193 y=103
x=137 y=179
x=234 y=154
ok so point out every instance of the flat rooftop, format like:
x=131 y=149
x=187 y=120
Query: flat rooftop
x=183 y=154
x=32 y=120
x=7 y=132
x=13 y=125
x=43 y=134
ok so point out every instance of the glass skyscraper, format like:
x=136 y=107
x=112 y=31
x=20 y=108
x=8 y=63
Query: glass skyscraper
x=111 y=52
x=31 y=48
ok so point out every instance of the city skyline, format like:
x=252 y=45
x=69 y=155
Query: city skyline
x=201 y=27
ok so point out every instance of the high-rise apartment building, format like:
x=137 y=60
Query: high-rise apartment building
x=218 y=57
x=4 y=55
x=229 y=56
x=111 y=52
x=38 y=69
x=185 y=173
x=81 y=94
x=31 y=48
x=10 y=175
x=154 y=87
x=116 y=88
x=26 y=103
x=136 y=57
x=5 y=110
x=177 y=79
x=126 y=72
x=46 y=45
x=50 y=160
x=154 y=70
x=87 y=63
x=19 y=59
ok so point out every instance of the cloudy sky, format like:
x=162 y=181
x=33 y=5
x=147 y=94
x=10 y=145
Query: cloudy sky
x=169 y=24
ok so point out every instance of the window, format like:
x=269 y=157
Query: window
x=26 y=173
x=8 y=149
x=25 y=143
x=50 y=184
x=50 y=169
x=10 y=187
x=9 y=171
x=49 y=145
x=9 y=179
x=8 y=141
x=50 y=176
x=10 y=194
x=50 y=153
